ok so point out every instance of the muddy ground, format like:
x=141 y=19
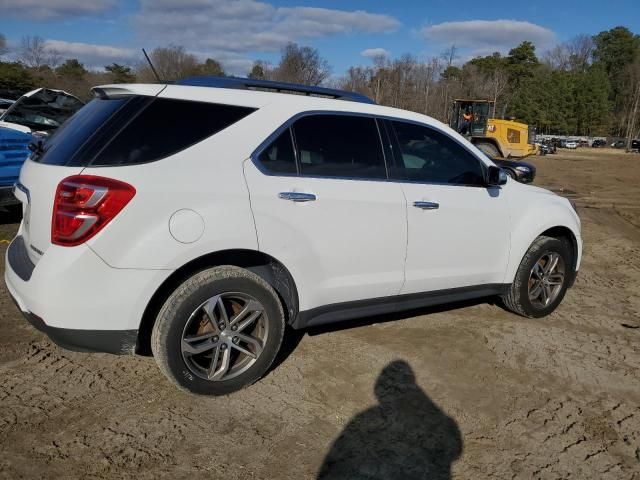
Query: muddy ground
x=466 y=391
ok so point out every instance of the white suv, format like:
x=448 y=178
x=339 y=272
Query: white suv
x=197 y=220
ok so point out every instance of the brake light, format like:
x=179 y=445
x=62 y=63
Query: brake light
x=84 y=204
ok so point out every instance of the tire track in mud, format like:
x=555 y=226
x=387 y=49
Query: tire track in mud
x=583 y=359
x=49 y=382
x=123 y=416
x=58 y=405
x=563 y=437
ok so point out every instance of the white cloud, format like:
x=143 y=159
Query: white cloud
x=91 y=55
x=233 y=63
x=316 y=22
x=489 y=35
x=248 y=25
x=375 y=52
x=49 y=9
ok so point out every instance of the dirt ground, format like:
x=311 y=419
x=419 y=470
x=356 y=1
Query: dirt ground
x=465 y=391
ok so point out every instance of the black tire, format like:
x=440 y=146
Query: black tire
x=489 y=149
x=517 y=299
x=171 y=322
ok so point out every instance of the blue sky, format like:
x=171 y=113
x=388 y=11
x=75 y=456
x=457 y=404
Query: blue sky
x=349 y=32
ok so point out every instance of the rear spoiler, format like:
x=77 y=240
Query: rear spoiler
x=123 y=90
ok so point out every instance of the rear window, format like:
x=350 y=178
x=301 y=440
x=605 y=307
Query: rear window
x=135 y=129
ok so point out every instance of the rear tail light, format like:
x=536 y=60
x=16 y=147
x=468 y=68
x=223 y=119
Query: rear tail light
x=84 y=204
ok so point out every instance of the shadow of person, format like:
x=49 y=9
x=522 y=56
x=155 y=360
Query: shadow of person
x=406 y=436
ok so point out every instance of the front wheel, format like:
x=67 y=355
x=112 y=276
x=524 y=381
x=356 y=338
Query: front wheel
x=219 y=331
x=542 y=278
x=489 y=149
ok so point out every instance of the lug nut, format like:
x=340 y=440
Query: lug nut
x=236 y=340
x=234 y=327
x=223 y=346
x=215 y=339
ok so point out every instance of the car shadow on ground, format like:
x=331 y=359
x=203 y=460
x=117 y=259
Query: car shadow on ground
x=405 y=436
x=292 y=338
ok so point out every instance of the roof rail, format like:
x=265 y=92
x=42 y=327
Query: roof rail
x=268 y=85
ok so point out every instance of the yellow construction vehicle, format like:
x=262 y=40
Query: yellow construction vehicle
x=496 y=138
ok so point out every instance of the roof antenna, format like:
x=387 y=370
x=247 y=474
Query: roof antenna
x=151 y=65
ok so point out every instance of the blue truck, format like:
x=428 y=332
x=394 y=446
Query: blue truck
x=34 y=116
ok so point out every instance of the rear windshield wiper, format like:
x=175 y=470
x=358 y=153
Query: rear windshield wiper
x=36 y=146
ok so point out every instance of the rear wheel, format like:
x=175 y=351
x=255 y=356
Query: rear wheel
x=489 y=149
x=219 y=331
x=542 y=278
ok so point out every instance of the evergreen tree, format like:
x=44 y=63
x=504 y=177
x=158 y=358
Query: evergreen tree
x=257 y=71
x=72 y=69
x=212 y=67
x=15 y=79
x=120 y=73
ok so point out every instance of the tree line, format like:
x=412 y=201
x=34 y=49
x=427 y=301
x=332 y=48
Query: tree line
x=589 y=85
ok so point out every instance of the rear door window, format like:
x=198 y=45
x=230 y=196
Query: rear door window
x=343 y=146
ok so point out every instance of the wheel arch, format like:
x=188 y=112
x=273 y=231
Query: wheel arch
x=559 y=231
x=564 y=233
x=263 y=265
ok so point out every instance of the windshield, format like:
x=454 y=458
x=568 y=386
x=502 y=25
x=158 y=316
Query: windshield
x=45 y=110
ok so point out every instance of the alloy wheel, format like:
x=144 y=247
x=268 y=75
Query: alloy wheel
x=224 y=336
x=546 y=279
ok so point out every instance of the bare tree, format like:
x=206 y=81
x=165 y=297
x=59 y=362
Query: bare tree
x=431 y=70
x=634 y=108
x=498 y=82
x=54 y=58
x=171 y=63
x=572 y=55
x=580 y=50
x=301 y=65
x=449 y=55
x=33 y=51
x=4 y=49
x=557 y=58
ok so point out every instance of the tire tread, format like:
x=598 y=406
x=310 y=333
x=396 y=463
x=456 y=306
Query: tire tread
x=513 y=299
x=181 y=293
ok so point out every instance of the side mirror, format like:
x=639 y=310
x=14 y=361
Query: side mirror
x=496 y=176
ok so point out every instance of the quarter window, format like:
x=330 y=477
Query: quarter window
x=135 y=129
x=279 y=157
x=165 y=127
x=430 y=156
x=339 y=146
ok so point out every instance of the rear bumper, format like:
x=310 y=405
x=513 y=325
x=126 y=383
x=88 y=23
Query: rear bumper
x=79 y=301
x=106 y=341
x=7 y=197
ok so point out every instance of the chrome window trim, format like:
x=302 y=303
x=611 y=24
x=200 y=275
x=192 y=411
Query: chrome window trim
x=289 y=123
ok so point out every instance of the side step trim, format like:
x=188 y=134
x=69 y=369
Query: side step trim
x=377 y=306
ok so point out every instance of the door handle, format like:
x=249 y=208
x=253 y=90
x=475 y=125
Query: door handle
x=297 y=196
x=427 y=205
